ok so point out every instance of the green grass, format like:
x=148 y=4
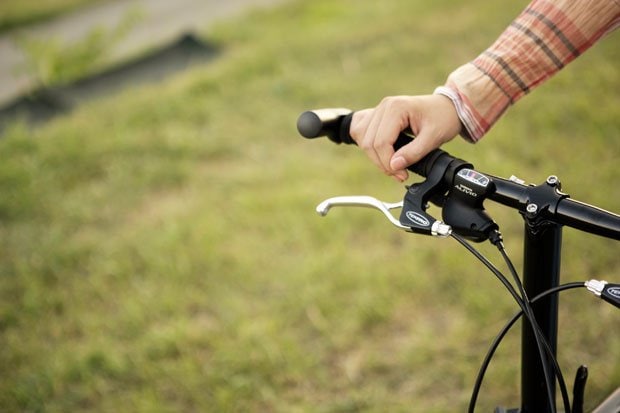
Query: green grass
x=159 y=249
x=53 y=63
x=17 y=13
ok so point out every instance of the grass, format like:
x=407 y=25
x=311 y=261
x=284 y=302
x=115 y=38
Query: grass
x=16 y=13
x=53 y=63
x=159 y=249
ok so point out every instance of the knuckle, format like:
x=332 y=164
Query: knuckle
x=389 y=101
x=366 y=145
x=377 y=144
x=356 y=132
x=393 y=100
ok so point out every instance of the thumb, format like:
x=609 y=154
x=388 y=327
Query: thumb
x=413 y=151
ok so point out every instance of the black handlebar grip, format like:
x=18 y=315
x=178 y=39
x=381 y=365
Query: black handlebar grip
x=336 y=123
x=325 y=122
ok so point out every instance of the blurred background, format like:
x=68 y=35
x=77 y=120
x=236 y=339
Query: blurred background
x=159 y=249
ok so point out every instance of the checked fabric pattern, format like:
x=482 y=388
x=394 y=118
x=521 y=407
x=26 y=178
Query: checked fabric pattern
x=543 y=39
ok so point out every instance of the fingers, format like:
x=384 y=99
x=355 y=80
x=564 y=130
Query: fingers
x=432 y=118
x=411 y=154
x=413 y=151
x=376 y=130
x=363 y=129
x=359 y=124
x=374 y=143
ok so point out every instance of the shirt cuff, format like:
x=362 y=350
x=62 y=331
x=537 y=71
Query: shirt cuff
x=469 y=126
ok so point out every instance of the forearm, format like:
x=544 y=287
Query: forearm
x=543 y=39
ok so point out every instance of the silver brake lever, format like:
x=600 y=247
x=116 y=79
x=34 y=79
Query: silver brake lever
x=436 y=228
x=363 y=201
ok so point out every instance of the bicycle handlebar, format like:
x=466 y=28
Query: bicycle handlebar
x=543 y=201
x=335 y=125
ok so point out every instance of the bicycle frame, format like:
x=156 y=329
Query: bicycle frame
x=542 y=257
x=460 y=190
x=541 y=271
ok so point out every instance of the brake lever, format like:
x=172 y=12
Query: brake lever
x=438 y=227
x=362 y=201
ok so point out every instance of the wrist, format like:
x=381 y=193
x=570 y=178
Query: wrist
x=465 y=130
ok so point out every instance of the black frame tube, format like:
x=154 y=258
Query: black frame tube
x=541 y=272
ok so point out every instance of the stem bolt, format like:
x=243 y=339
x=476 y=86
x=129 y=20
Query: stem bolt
x=552 y=180
x=531 y=208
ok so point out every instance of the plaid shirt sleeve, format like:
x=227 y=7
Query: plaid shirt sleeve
x=543 y=39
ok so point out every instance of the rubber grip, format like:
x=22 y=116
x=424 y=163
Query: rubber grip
x=323 y=122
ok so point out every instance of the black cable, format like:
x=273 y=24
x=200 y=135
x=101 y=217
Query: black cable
x=520 y=302
x=502 y=334
x=537 y=330
x=491 y=267
x=541 y=342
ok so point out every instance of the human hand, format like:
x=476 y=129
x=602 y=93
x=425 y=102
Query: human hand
x=431 y=118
